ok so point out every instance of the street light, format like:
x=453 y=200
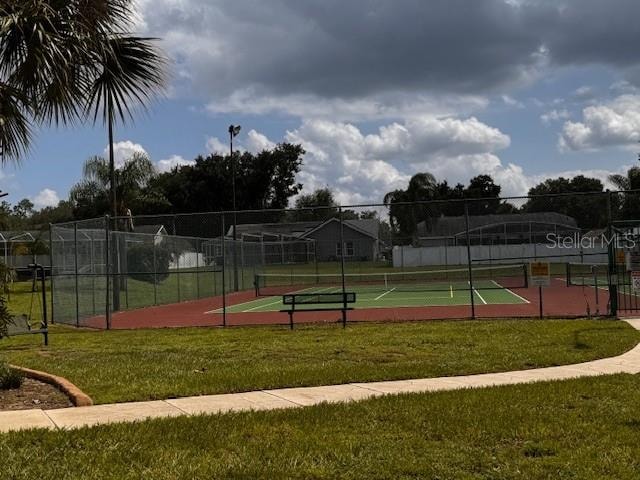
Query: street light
x=234 y=130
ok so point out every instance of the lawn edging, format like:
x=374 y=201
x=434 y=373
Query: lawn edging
x=77 y=396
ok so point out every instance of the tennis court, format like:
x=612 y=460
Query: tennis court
x=492 y=286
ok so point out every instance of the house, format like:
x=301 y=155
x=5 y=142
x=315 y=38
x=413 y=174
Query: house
x=361 y=237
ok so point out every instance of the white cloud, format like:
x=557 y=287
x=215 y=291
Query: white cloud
x=253 y=142
x=257 y=142
x=364 y=167
x=124 y=150
x=555 y=115
x=373 y=107
x=215 y=145
x=512 y=102
x=614 y=124
x=46 y=198
x=170 y=163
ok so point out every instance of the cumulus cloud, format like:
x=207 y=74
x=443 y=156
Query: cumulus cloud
x=122 y=151
x=303 y=56
x=170 y=163
x=254 y=142
x=362 y=167
x=46 y=198
x=215 y=145
x=613 y=124
x=555 y=115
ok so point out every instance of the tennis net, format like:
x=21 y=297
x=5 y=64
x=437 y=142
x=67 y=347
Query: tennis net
x=484 y=277
x=587 y=274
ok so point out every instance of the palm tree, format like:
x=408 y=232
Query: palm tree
x=95 y=188
x=131 y=69
x=630 y=181
x=60 y=61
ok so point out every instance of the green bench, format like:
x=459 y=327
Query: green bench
x=313 y=302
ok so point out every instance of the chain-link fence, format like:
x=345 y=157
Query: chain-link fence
x=463 y=258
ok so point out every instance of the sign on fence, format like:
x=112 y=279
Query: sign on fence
x=540 y=274
x=635 y=281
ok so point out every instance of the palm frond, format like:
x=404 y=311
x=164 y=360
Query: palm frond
x=15 y=127
x=86 y=190
x=96 y=169
x=621 y=182
x=132 y=72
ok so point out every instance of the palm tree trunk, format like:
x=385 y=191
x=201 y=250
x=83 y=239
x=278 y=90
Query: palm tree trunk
x=114 y=212
x=112 y=169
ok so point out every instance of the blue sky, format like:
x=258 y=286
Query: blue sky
x=518 y=89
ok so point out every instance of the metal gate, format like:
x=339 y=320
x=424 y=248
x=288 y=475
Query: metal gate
x=624 y=265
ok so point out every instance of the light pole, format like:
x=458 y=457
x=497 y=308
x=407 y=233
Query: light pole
x=234 y=130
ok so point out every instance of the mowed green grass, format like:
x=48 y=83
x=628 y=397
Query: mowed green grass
x=579 y=429
x=21 y=300
x=119 y=366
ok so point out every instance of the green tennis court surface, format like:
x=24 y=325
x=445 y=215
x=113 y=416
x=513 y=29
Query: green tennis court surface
x=445 y=294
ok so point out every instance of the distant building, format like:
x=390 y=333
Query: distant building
x=361 y=237
x=507 y=229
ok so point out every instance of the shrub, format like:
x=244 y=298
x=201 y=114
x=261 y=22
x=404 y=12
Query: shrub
x=6 y=318
x=140 y=262
x=9 y=378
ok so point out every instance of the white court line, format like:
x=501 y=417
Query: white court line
x=385 y=293
x=511 y=292
x=280 y=299
x=479 y=296
x=219 y=310
x=264 y=305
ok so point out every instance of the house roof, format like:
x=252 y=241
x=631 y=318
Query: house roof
x=367 y=227
x=151 y=229
x=302 y=229
x=452 y=226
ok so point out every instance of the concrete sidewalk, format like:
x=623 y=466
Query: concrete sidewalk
x=296 y=397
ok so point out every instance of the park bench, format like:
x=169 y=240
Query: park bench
x=312 y=302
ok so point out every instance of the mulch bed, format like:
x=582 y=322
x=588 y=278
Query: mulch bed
x=33 y=394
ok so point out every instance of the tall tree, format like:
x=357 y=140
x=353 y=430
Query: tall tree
x=318 y=205
x=628 y=204
x=405 y=215
x=589 y=211
x=91 y=196
x=483 y=187
x=263 y=181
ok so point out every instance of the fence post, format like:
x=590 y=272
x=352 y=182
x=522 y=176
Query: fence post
x=178 y=274
x=612 y=268
x=107 y=271
x=155 y=275
x=198 y=247
x=224 y=282
x=471 y=290
x=342 y=253
x=52 y=269
x=75 y=268
x=93 y=275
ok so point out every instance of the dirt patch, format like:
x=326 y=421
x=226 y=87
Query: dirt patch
x=33 y=394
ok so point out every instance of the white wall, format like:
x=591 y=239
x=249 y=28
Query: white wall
x=188 y=260
x=408 y=256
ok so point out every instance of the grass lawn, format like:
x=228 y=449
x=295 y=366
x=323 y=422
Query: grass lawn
x=22 y=301
x=578 y=429
x=118 y=366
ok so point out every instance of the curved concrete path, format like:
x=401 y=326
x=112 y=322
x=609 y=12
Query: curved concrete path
x=297 y=397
